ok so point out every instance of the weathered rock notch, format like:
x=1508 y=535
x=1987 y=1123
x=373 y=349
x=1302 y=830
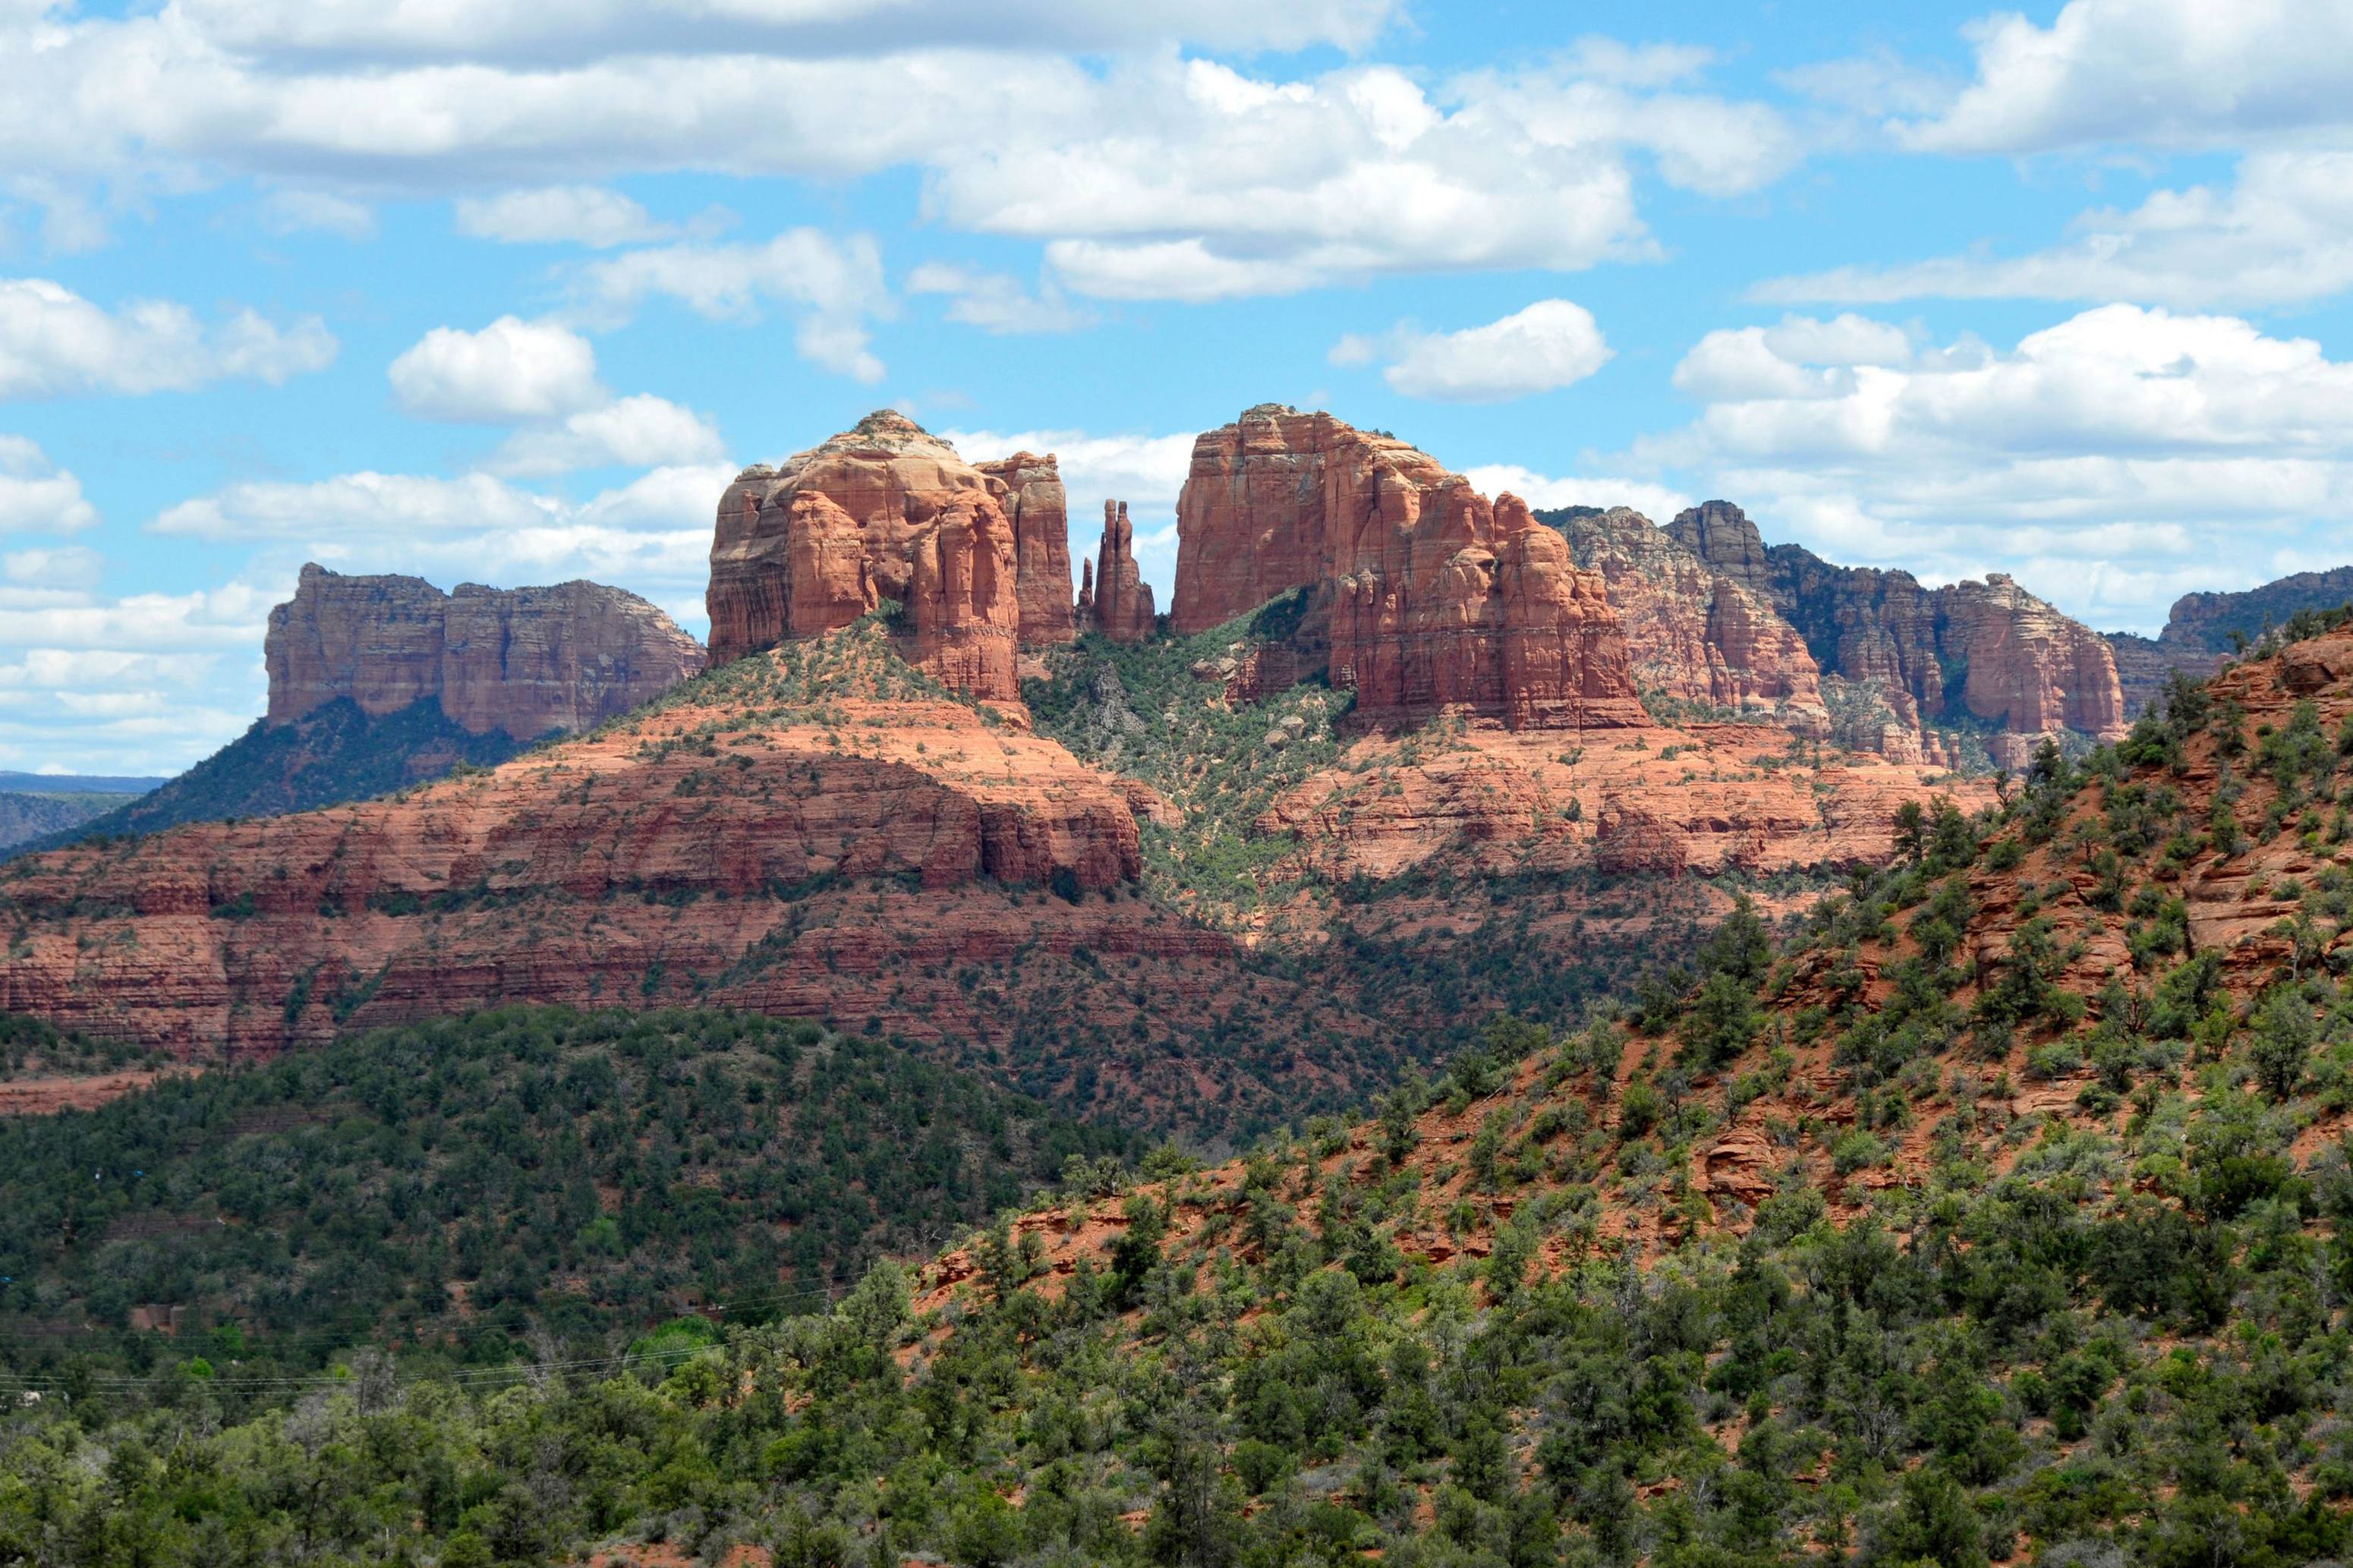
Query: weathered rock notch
x=524 y=660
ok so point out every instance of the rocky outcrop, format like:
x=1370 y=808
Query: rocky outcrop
x=1695 y=633
x=1911 y=655
x=521 y=660
x=1720 y=534
x=887 y=511
x=1034 y=498
x=1257 y=512
x=1115 y=600
x=1431 y=597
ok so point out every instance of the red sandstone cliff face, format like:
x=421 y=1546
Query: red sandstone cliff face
x=1034 y=498
x=524 y=660
x=1695 y=632
x=1433 y=598
x=1115 y=600
x=711 y=847
x=889 y=511
x=1908 y=654
x=2030 y=668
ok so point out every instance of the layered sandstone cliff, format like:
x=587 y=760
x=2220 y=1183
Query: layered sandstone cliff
x=709 y=847
x=1696 y=633
x=1431 y=597
x=887 y=511
x=1040 y=512
x=1114 y=599
x=523 y=660
x=1907 y=655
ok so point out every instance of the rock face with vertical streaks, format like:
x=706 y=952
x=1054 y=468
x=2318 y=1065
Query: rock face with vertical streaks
x=523 y=660
x=1040 y=511
x=1696 y=633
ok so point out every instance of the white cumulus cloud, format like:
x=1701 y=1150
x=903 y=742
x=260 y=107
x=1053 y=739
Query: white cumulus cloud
x=832 y=286
x=637 y=432
x=35 y=495
x=554 y=214
x=1542 y=347
x=511 y=369
x=56 y=343
x=2190 y=73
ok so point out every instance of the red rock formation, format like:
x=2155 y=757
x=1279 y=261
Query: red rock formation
x=1034 y=498
x=524 y=660
x=1276 y=500
x=1900 y=646
x=1695 y=632
x=1117 y=601
x=1082 y=615
x=884 y=512
x=2030 y=668
x=1433 y=598
x=590 y=871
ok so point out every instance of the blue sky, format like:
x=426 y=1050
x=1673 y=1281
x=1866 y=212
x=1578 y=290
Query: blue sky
x=503 y=292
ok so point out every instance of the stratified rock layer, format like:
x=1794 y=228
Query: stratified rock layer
x=887 y=511
x=1115 y=600
x=710 y=846
x=1433 y=598
x=524 y=660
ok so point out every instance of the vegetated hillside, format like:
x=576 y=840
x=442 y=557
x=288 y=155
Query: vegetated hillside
x=1998 y=1217
x=467 y=1183
x=332 y=754
x=31 y=814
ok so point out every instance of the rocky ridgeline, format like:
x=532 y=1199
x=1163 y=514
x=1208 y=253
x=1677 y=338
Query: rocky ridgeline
x=1891 y=657
x=521 y=660
x=2205 y=629
x=1427 y=597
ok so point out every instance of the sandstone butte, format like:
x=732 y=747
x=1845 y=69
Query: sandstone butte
x=977 y=557
x=2238 y=907
x=1113 y=598
x=1431 y=597
x=524 y=660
